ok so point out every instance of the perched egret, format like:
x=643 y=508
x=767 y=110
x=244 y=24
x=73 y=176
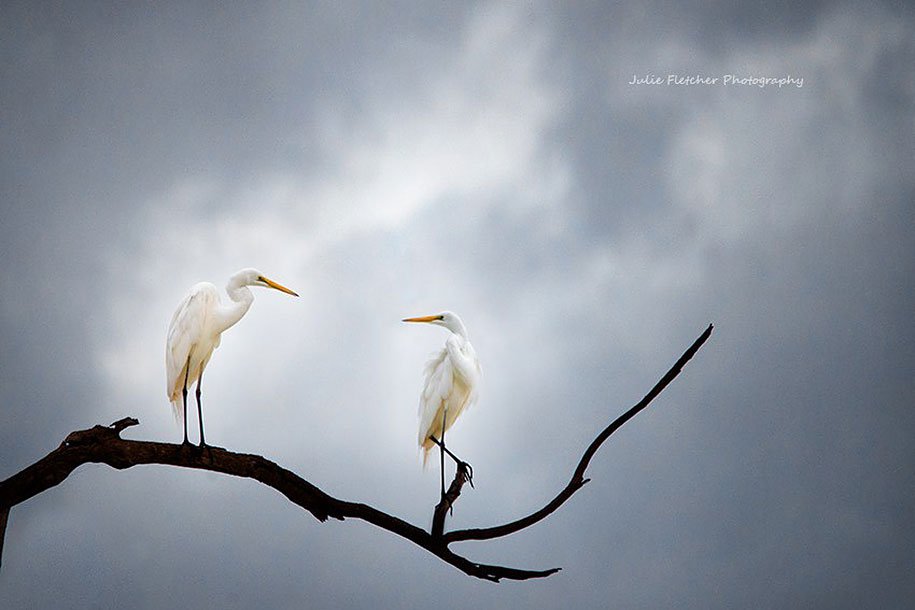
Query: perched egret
x=195 y=330
x=452 y=379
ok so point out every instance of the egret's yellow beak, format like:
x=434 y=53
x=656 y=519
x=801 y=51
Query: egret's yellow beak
x=279 y=287
x=423 y=319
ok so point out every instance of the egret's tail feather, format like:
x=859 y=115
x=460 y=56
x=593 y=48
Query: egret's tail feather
x=178 y=411
x=426 y=448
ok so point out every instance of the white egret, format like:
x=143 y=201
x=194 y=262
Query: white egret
x=195 y=331
x=452 y=379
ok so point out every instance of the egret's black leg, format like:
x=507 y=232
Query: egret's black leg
x=450 y=453
x=441 y=452
x=456 y=459
x=184 y=399
x=199 y=410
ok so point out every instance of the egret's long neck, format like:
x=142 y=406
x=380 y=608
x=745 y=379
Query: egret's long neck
x=458 y=328
x=241 y=299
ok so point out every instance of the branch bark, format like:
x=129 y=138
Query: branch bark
x=103 y=444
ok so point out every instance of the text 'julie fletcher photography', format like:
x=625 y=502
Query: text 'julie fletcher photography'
x=724 y=80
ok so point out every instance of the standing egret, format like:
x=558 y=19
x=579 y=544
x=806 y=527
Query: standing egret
x=195 y=330
x=452 y=378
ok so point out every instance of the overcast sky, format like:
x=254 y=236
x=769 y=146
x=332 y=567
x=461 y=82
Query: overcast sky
x=492 y=159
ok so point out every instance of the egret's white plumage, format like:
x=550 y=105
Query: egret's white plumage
x=451 y=381
x=195 y=332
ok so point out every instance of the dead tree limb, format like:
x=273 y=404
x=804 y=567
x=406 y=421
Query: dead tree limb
x=104 y=445
x=461 y=476
x=578 y=479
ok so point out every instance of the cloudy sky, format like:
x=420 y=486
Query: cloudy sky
x=388 y=160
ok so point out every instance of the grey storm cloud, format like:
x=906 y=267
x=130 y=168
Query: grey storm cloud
x=494 y=160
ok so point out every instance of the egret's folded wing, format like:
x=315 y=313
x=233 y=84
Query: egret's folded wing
x=466 y=372
x=437 y=386
x=183 y=332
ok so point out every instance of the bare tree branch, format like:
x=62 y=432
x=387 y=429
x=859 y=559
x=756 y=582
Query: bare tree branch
x=578 y=481
x=103 y=444
x=461 y=476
